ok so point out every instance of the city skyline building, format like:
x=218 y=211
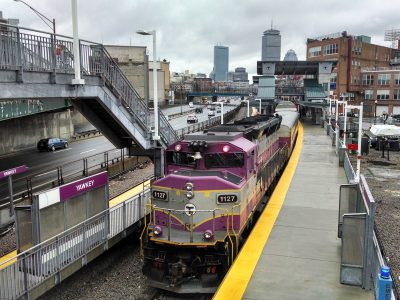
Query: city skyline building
x=290 y=56
x=221 y=63
x=239 y=75
x=271 y=45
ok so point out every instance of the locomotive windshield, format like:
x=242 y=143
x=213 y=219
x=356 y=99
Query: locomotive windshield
x=224 y=160
x=180 y=158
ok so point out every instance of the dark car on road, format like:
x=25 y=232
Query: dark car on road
x=51 y=144
x=198 y=110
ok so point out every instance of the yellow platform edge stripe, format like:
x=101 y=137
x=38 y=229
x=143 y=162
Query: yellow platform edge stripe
x=7 y=257
x=236 y=280
x=128 y=194
x=113 y=202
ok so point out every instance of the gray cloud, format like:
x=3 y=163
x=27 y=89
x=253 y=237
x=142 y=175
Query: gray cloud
x=188 y=30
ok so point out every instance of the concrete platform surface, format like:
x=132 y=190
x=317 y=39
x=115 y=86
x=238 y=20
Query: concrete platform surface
x=301 y=259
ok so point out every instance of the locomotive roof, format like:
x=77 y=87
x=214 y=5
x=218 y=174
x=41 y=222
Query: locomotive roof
x=290 y=117
x=213 y=136
x=247 y=126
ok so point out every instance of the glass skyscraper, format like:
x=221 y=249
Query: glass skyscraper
x=271 y=45
x=221 y=63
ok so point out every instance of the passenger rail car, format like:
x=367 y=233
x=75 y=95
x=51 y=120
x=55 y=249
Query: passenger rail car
x=214 y=183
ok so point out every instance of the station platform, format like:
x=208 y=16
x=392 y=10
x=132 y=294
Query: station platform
x=294 y=252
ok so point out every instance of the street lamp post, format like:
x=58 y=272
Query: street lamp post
x=45 y=19
x=222 y=111
x=181 y=98
x=155 y=96
x=259 y=100
x=248 y=107
x=77 y=62
x=376 y=103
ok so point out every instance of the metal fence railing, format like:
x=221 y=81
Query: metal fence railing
x=373 y=258
x=22 y=273
x=348 y=168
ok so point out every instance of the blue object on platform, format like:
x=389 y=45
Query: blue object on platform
x=384 y=291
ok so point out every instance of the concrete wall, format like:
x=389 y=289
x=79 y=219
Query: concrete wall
x=24 y=133
x=131 y=61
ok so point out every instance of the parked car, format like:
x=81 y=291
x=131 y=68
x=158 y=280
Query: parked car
x=211 y=113
x=192 y=119
x=51 y=144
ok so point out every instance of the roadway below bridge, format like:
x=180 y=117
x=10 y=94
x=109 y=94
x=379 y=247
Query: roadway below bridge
x=95 y=150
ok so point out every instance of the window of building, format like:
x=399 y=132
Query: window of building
x=356 y=63
x=356 y=50
x=347 y=96
x=383 y=94
x=397 y=79
x=333 y=78
x=396 y=94
x=354 y=79
x=368 y=79
x=331 y=49
x=314 y=51
x=368 y=94
x=383 y=79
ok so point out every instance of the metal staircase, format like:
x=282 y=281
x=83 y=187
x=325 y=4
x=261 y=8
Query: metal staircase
x=30 y=58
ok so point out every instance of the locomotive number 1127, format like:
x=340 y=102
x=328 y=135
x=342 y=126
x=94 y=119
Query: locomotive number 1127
x=221 y=199
x=159 y=195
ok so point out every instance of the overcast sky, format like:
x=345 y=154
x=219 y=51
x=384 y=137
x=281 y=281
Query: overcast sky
x=188 y=30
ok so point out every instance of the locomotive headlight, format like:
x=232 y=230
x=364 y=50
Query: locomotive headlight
x=208 y=235
x=189 y=190
x=157 y=230
x=189 y=186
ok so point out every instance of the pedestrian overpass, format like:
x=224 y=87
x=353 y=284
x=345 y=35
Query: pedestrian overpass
x=40 y=65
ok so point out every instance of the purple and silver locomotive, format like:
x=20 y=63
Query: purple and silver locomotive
x=215 y=181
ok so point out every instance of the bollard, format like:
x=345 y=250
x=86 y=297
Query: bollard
x=384 y=286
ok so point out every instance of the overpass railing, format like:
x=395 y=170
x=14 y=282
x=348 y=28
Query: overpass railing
x=24 y=49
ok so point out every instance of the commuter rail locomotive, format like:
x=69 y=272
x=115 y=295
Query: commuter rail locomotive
x=215 y=182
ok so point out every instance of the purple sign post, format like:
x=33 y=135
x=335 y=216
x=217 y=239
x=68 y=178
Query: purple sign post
x=9 y=173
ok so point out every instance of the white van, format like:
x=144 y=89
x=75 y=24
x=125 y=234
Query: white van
x=191 y=105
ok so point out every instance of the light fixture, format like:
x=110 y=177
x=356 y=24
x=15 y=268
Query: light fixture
x=225 y=148
x=178 y=147
x=157 y=230
x=189 y=194
x=189 y=186
x=208 y=235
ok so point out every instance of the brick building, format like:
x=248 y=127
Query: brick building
x=381 y=90
x=353 y=54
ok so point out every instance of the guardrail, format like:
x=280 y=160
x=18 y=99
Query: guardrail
x=20 y=275
x=73 y=170
x=206 y=124
x=374 y=259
